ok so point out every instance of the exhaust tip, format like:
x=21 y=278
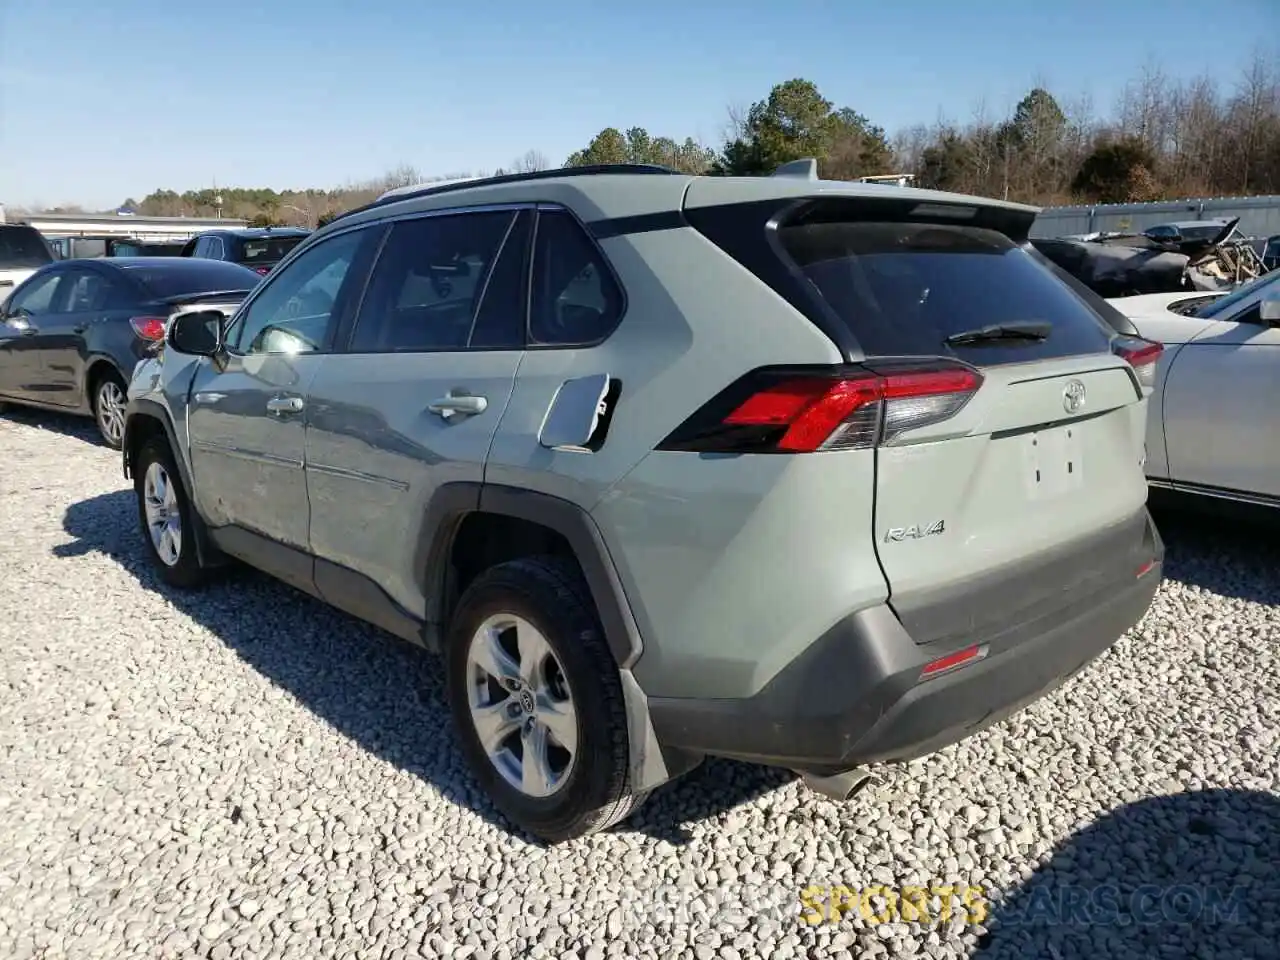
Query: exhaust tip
x=839 y=786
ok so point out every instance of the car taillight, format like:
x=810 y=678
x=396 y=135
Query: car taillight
x=262 y=271
x=148 y=328
x=1142 y=355
x=805 y=410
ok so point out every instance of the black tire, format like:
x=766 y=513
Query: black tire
x=186 y=571
x=112 y=434
x=549 y=593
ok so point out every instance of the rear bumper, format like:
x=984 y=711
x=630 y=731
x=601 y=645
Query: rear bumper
x=856 y=696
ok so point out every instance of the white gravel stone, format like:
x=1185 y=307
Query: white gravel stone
x=244 y=772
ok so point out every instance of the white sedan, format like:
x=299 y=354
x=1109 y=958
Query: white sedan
x=1213 y=427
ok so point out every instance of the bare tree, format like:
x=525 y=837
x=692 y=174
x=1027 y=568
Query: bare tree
x=909 y=145
x=1202 y=136
x=1252 y=107
x=531 y=161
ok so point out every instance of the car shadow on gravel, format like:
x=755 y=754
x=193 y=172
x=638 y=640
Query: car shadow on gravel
x=63 y=424
x=382 y=692
x=1185 y=875
x=1224 y=556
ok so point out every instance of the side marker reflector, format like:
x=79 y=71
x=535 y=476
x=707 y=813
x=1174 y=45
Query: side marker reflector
x=951 y=661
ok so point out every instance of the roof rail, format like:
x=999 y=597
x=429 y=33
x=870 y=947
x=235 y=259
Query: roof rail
x=593 y=169
x=425 y=185
x=803 y=169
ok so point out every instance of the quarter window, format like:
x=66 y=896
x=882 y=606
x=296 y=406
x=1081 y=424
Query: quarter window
x=575 y=300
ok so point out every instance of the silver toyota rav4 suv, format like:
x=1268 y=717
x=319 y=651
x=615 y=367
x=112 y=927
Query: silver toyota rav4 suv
x=804 y=473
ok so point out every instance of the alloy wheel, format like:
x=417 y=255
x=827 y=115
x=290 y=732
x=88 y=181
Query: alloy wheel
x=110 y=409
x=164 y=520
x=521 y=706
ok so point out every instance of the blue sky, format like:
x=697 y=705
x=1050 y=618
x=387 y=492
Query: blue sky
x=103 y=100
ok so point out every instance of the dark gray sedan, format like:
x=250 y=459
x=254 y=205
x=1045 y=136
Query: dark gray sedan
x=72 y=332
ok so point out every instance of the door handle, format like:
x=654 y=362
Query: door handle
x=285 y=405
x=456 y=404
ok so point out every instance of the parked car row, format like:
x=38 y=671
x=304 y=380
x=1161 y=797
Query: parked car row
x=805 y=473
x=22 y=247
x=72 y=332
x=259 y=248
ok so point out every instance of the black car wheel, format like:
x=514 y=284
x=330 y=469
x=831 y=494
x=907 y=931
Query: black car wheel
x=537 y=700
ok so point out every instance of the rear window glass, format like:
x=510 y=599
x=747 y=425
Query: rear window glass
x=267 y=250
x=1199 y=232
x=22 y=247
x=904 y=288
x=182 y=277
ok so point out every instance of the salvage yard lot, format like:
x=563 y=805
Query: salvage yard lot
x=245 y=772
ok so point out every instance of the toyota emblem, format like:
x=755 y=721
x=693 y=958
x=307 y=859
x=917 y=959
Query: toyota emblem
x=1073 y=396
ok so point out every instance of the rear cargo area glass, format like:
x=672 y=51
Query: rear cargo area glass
x=267 y=251
x=22 y=249
x=904 y=288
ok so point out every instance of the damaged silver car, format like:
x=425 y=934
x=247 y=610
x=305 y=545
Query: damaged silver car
x=1167 y=258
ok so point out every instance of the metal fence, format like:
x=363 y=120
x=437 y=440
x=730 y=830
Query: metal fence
x=1259 y=216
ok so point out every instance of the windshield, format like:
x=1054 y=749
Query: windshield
x=268 y=249
x=1207 y=232
x=22 y=248
x=1225 y=306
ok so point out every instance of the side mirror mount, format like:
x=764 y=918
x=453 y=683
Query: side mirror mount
x=1269 y=311
x=198 y=333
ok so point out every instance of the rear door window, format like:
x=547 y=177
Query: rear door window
x=426 y=287
x=905 y=288
x=85 y=292
x=266 y=249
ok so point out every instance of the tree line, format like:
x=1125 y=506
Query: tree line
x=1162 y=139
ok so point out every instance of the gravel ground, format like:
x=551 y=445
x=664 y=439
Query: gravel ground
x=244 y=772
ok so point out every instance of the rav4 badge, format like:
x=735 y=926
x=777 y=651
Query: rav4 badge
x=898 y=534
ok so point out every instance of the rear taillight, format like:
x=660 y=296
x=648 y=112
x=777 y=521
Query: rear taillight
x=148 y=328
x=262 y=271
x=804 y=410
x=1142 y=355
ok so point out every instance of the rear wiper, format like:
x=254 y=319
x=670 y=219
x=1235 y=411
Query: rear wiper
x=1029 y=330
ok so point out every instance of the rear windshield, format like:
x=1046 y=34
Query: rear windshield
x=1200 y=232
x=128 y=248
x=174 y=277
x=267 y=250
x=22 y=247
x=904 y=288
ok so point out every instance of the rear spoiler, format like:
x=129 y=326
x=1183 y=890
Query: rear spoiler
x=182 y=299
